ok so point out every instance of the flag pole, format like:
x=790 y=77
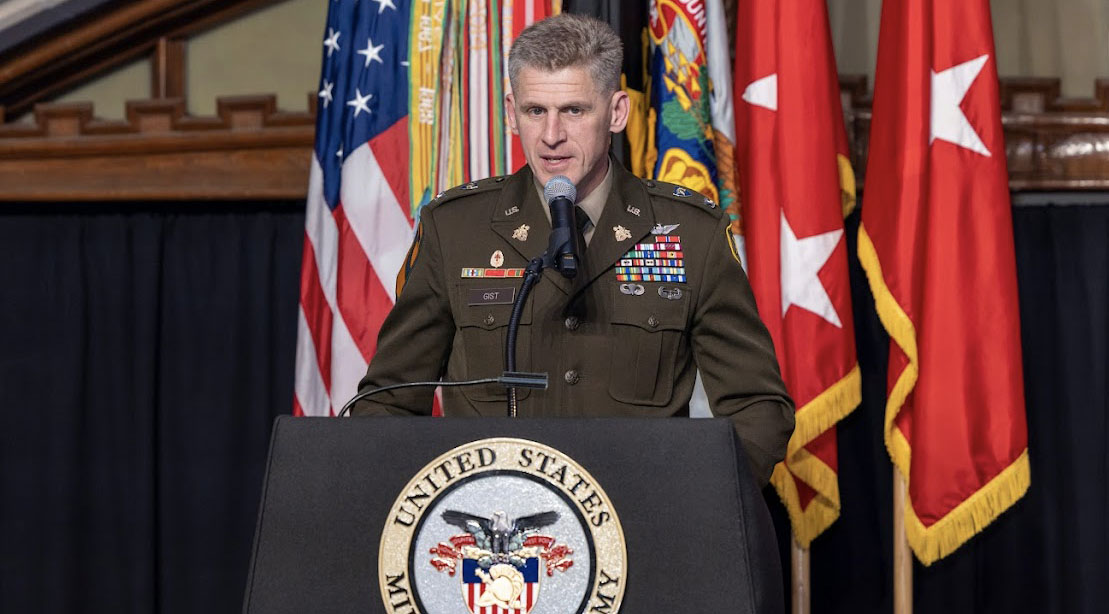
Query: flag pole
x=902 y=556
x=800 y=587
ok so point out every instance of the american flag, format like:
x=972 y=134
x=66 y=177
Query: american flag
x=359 y=219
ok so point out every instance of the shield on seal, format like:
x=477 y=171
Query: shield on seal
x=504 y=588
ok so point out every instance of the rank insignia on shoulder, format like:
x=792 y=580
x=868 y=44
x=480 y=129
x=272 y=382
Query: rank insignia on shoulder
x=710 y=203
x=470 y=186
x=664 y=229
x=680 y=191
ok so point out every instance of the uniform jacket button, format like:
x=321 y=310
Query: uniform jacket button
x=572 y=323
x=489 y=319
x=571 y=377
x=652 y=322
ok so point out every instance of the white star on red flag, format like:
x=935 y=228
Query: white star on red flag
x=802 y=260
x=949 y=123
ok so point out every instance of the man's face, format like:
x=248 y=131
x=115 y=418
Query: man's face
x=565 y=121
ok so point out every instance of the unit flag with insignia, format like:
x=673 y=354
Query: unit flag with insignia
x=936 y=241
x=797 y=187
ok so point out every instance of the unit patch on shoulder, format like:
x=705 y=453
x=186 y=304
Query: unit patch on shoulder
x=502 y=525
x=410 y=259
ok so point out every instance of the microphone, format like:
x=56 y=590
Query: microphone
x=563 y=243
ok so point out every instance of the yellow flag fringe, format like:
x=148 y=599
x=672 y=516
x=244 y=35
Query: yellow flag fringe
x=813 y=419
x=981 y=508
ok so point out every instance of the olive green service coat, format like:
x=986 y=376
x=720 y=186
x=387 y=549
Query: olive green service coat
x=631 y=352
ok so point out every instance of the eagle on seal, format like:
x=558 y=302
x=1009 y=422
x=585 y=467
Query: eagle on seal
x=498 y=535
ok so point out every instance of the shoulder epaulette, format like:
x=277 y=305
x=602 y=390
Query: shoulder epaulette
x=468 y=189
x=681 y=194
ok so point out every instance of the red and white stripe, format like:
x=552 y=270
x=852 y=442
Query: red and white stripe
x=475 y=590
x=350 y=261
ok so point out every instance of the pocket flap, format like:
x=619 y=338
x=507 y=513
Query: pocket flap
x=651 y=310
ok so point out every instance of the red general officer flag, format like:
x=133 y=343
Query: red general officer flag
x=937 y=244
x=796 y=185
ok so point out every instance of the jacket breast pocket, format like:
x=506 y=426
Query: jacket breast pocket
x=484 y=331
x=649 y=331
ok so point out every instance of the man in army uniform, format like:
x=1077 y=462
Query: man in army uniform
x=660 y=292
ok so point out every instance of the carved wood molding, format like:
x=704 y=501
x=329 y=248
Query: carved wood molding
x=248 y=151
x=1051 y=143
x=251 y=150
x=48 y=66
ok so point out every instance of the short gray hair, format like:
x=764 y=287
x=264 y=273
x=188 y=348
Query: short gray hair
x=565 y=41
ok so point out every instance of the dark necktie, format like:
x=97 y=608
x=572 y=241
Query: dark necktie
x=583 y=223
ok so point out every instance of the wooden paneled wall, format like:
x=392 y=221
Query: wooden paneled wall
x=250 y=150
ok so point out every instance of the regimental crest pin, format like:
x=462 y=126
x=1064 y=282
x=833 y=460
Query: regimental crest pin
x=497 y=259
x=470 y=186
x=680 y=191
x=521 y=233
x=621 y=233
x=499 y=526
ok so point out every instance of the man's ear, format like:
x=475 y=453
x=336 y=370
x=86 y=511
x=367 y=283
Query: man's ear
x=620 y=106
x=510 y=112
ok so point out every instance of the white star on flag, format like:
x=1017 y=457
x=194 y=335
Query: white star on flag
x=360 y=102
x=325 y=93
x=763 y=92
x=384 y=3
x=949 y=87
x=332 y=41
x=802 y=260
x=372 y=53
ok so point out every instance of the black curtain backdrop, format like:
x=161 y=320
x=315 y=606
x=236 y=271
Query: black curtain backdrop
x=146 y=351
x=147 y=348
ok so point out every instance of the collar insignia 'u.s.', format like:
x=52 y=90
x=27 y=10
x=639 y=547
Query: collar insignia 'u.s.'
x=502 y=526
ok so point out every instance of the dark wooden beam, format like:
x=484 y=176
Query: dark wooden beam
x=76 y=53
x=168 y=69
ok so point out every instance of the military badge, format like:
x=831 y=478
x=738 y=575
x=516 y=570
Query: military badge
x=662 y=260
x=632 y=289
x=470 y=186
x=497 y=259
x=521 y=233
x=680 y=191
x=482 y=273
x=670 y=294
x=502 y=526
x=633 y=210
x=660 y=229
x=621 y=233
x=513 y=210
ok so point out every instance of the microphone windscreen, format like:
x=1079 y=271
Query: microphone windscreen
x=560 y=185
